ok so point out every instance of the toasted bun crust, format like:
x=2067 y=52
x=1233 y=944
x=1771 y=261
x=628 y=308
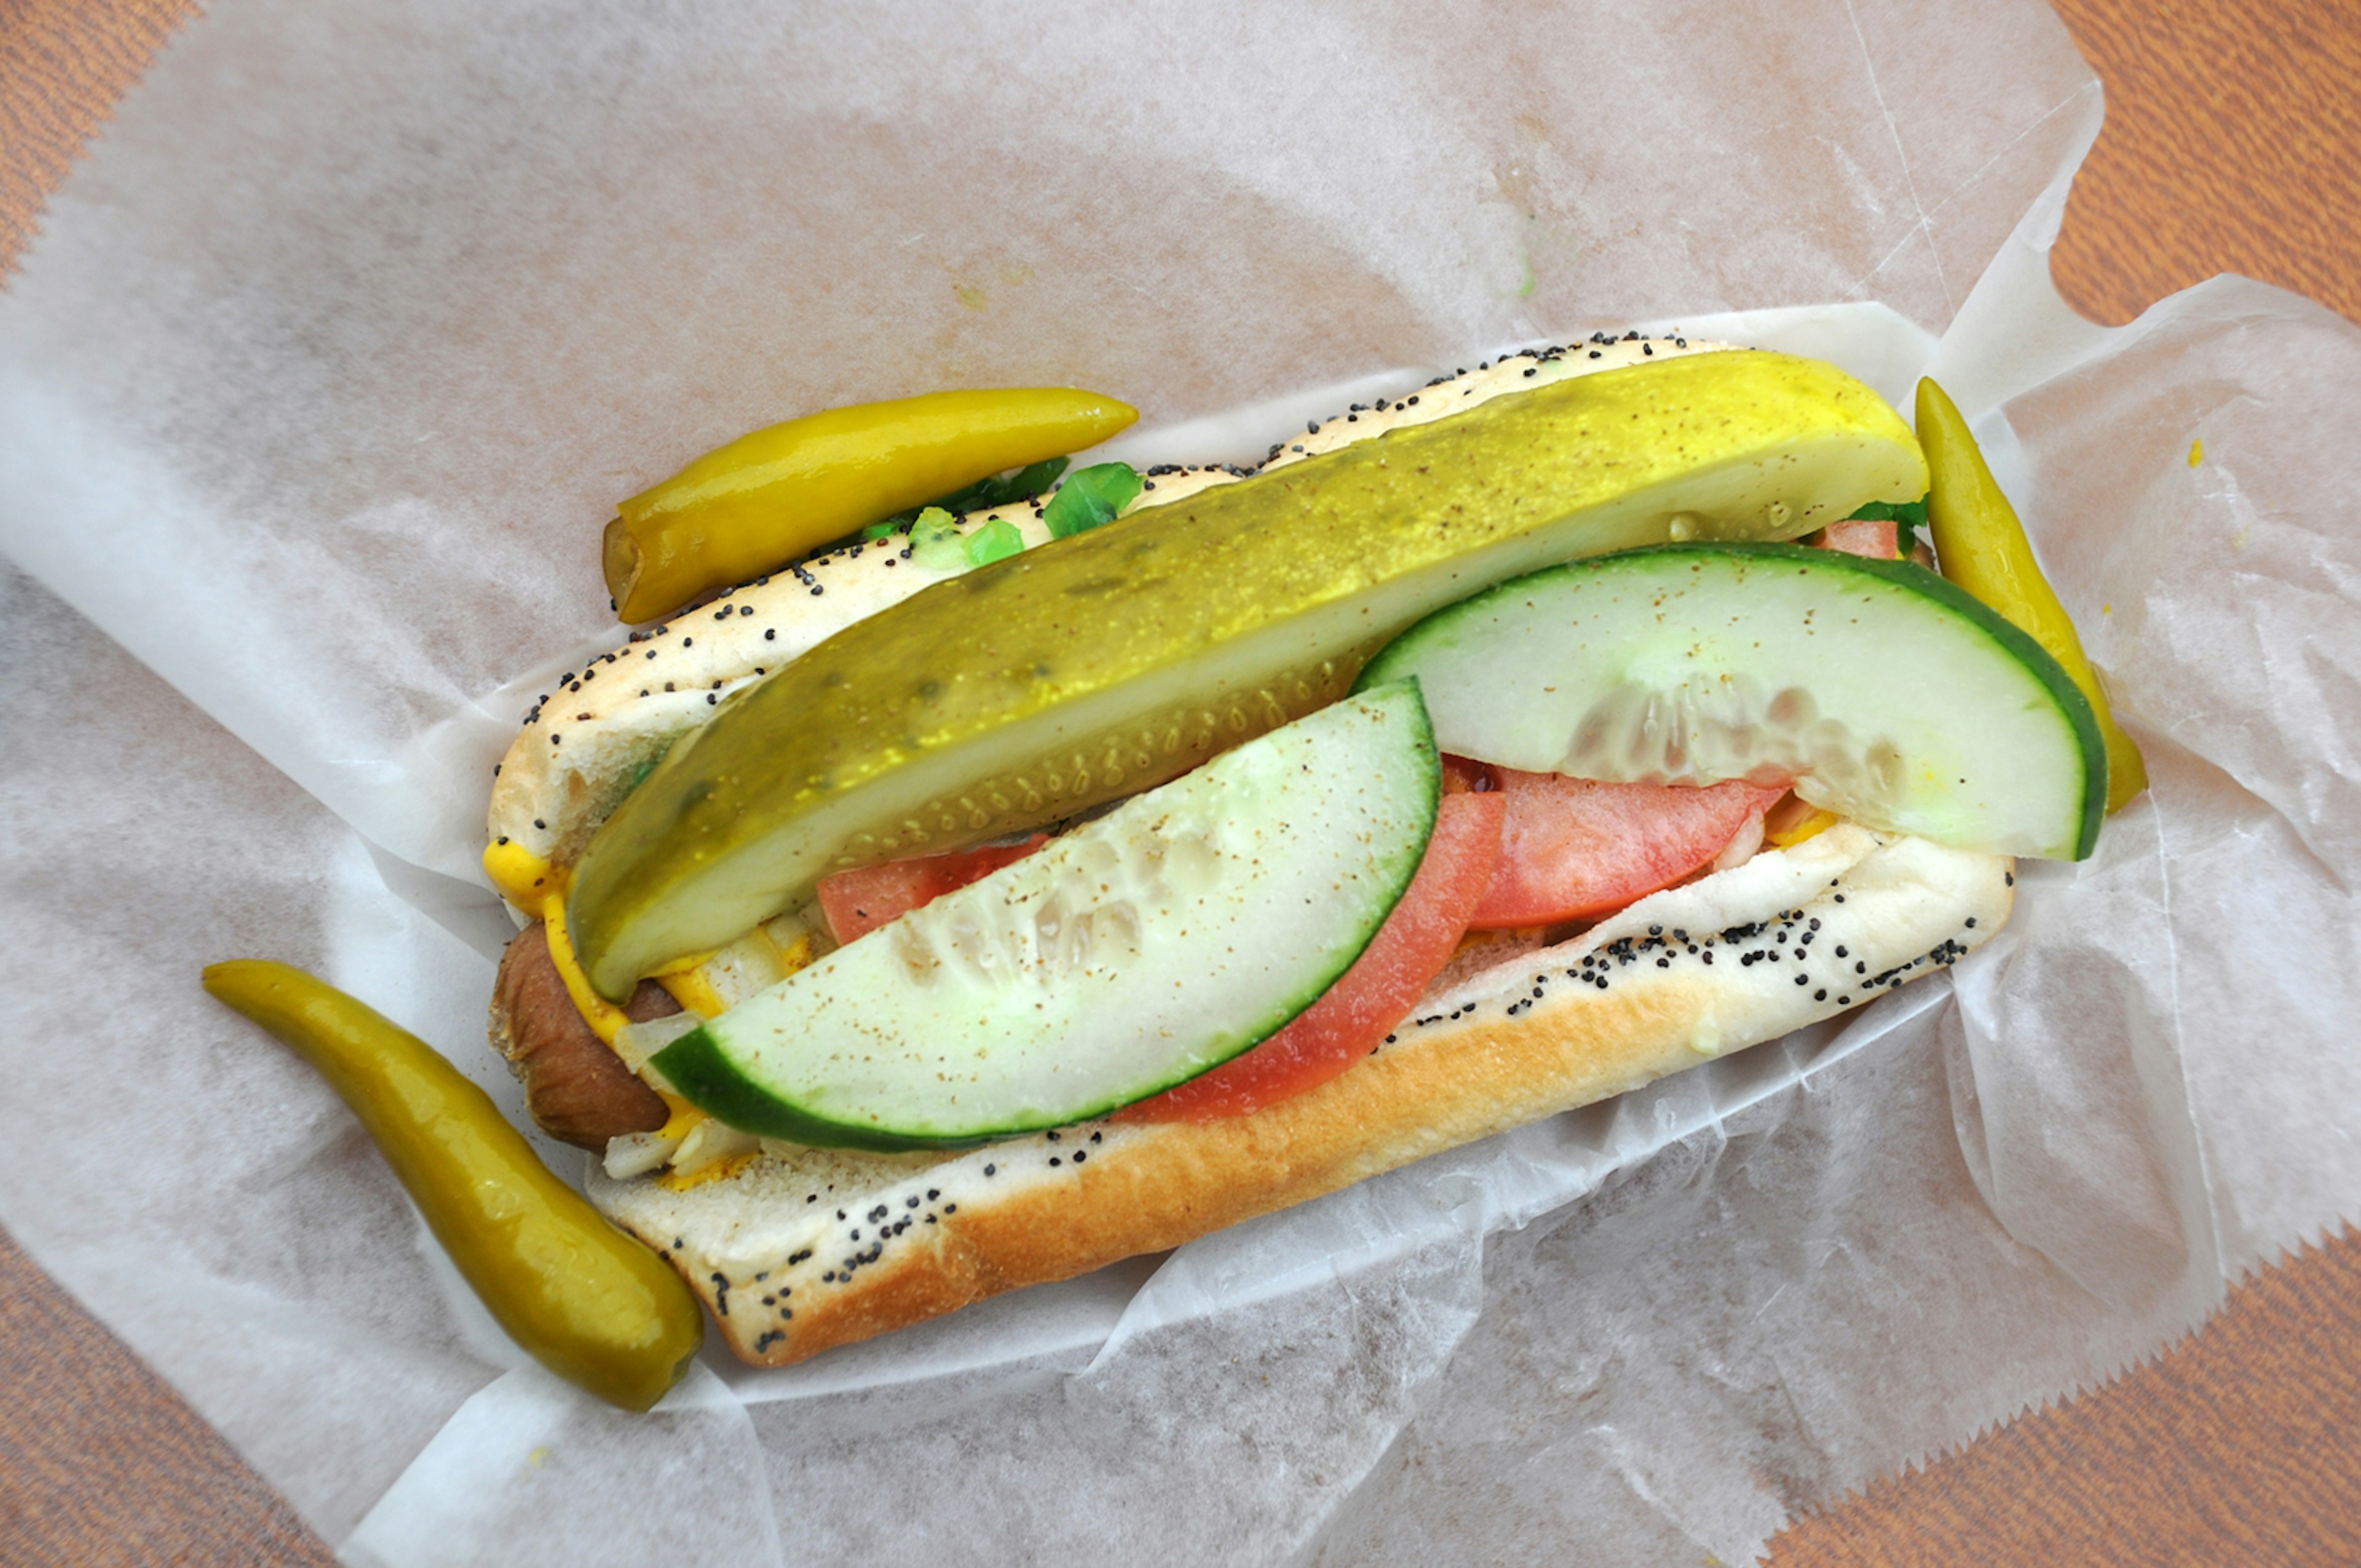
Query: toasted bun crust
x=807 y=1249
x=583 y=744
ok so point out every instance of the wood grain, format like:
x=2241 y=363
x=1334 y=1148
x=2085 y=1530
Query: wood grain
x=2233 y=143
x=102 y=1463
x=64 y=64
x=2239 y=1445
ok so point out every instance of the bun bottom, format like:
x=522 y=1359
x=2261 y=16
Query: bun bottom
x=806 y=1249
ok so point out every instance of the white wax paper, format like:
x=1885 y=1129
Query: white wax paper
x=331 y=359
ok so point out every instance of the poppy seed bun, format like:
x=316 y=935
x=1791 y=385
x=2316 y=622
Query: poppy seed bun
x=802 y=1249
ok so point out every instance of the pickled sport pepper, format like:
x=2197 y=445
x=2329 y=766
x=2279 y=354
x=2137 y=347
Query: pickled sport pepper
x=1981 y=545
x=768 y=498
x=588 y=1302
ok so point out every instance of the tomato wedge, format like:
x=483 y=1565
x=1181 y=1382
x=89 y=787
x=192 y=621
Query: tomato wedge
x=1384 y=983
x=1576 y=848
x=1862 y=536
x=858 y=901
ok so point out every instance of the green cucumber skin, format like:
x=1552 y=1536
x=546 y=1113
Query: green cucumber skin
x=1391 y=663
x=700 y=1068
x=703 y=1075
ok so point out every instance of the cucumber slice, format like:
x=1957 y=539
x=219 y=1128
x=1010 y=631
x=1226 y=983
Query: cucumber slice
x=1100 y=665
x=1142 y=949
x=1889 y=695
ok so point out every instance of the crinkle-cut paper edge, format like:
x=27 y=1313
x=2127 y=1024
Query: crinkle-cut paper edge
x=56 y=99
x=2312 y=1243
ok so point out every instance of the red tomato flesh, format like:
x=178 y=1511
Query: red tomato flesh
x=1860 y=536
x=1576 y=848
x=858 y=901
x=1384 y=983
x=1510 y=850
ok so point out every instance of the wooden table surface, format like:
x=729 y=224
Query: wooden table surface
x=2233 y=143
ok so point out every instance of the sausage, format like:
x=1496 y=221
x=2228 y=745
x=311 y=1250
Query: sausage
x=575 y=1086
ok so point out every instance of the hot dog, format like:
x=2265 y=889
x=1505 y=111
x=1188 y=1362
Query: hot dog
x=798 y=1246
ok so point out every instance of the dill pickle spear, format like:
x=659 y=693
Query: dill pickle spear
x=1108 y=662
